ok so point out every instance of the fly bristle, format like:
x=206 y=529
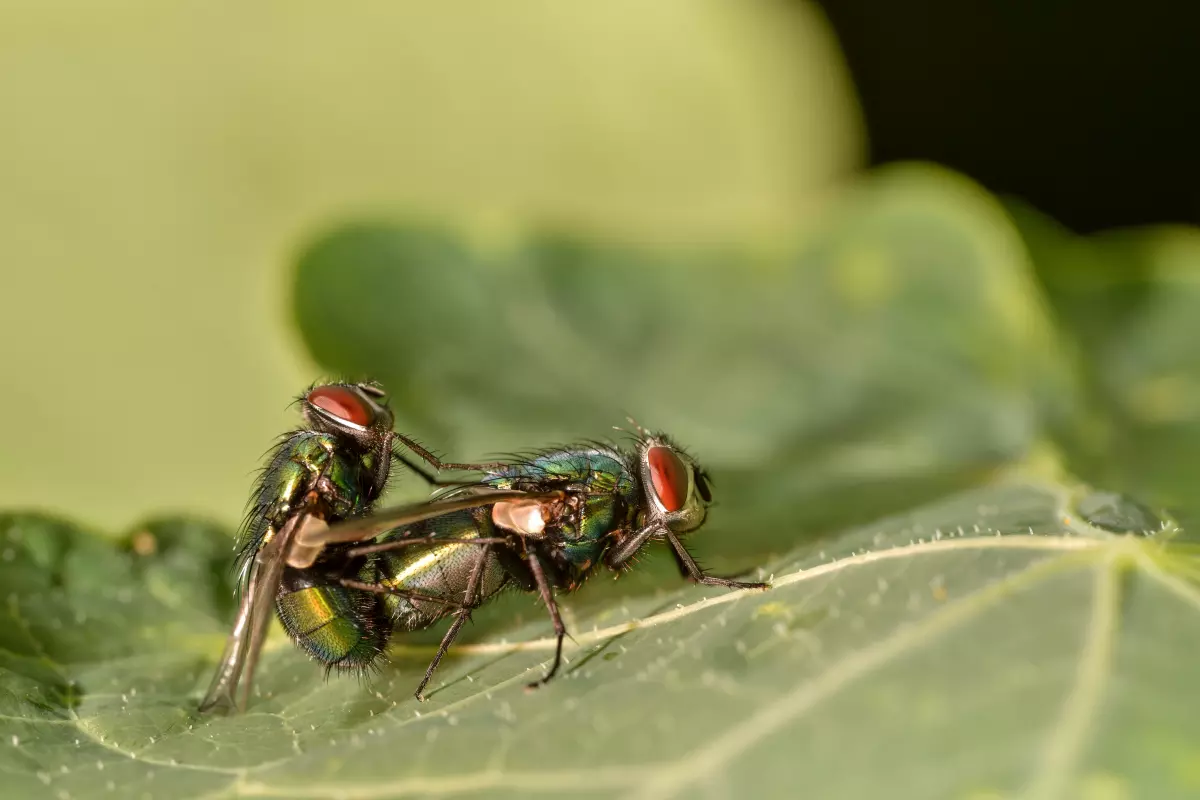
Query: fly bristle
x=362 y=670
x=423 y=446
x=600 y=443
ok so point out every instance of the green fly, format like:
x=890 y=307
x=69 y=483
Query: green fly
x=332 y=469
x=342 y=580
x=579 y=508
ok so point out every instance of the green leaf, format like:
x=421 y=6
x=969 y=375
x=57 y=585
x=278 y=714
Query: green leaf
x=921 y=643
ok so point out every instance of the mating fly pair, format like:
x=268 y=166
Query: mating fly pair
x=342 y=578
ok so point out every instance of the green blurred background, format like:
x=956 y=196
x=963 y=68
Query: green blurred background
x=161 y=166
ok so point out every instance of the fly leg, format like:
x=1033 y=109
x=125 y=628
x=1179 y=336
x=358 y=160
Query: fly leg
x=376 y=588
x=420 y=470
x=437 y=465
x=470 y=601
x=560 y=630
x=693 y=572
x=398 y=544
x=617 y=558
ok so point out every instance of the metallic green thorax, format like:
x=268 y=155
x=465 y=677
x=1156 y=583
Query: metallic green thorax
x=296 y=465
x=612 y=498
x=318 y=473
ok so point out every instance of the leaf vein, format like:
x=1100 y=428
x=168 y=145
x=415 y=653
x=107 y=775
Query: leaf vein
x=705 y=762
x=1061 y=753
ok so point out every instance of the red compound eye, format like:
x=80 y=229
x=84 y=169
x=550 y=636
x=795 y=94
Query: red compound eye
x=342 y=403
x=669 y=475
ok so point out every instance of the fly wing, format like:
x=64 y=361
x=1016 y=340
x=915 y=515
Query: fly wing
x=249 y=629
x=363 y=528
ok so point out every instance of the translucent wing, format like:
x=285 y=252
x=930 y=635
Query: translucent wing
x=254 y=615
x=298 y=544
x=357 y=530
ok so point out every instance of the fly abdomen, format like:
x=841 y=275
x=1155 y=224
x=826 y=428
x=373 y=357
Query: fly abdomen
x=440 y=570
x=340 y=627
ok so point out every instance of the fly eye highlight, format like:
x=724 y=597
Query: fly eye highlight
x=669 y=476
x=343 y=403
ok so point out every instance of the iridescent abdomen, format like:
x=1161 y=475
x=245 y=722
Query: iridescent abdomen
x=340 y=627
x=442 y=569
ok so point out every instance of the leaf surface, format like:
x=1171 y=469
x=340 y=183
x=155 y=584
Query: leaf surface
x=924 y=640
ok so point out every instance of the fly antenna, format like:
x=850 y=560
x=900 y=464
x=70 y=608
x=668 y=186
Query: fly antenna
x=642 y=431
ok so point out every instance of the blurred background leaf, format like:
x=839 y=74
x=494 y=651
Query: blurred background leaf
x=898 y=349
x=1128 y=303
x=160 y=163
